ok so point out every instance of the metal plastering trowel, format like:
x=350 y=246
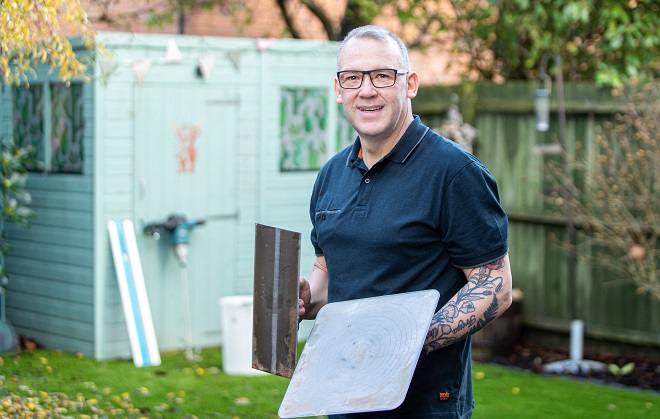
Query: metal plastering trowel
x=275 y=310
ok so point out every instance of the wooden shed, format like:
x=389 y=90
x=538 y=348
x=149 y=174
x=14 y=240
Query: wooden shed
x=231 y=131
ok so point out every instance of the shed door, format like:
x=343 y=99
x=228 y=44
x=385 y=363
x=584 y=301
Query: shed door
x=186 y=152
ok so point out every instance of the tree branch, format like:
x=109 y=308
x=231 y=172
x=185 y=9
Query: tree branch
x=287 y=19
x=422 y=31
x=323 y=17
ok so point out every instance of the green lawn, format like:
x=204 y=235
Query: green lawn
x=504 y=393
x=41 y=383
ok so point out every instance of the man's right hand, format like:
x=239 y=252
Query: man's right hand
x=305 y=297
x=313 y=292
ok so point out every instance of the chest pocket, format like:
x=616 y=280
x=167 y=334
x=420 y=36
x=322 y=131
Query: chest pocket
x=325 y=224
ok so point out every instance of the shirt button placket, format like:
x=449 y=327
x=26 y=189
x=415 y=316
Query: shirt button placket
x=366 y=191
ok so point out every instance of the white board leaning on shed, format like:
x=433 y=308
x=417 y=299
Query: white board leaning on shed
x=133 y=294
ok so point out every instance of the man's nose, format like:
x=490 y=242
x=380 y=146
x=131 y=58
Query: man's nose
x=367 y=87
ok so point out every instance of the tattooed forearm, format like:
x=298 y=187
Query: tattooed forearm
x=473 y=307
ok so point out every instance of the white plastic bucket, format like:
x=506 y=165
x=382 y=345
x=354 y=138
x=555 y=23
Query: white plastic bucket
x=236 y=313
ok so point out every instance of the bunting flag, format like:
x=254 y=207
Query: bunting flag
x=173 y=53
x=107 y=64
x=140 y=70
x=264 y=44
x=206 y=63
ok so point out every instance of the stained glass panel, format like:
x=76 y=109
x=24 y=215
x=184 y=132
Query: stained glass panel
x=303 y=128
x=28 y=119
x=66 y=118
x=67 y=129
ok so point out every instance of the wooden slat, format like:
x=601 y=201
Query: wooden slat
x=25 y=320
x=48 y=270
x=74 y=201
x=61 y=292
x=52 y=307
x=63 y=218
x=76 y=236
x=65 y=255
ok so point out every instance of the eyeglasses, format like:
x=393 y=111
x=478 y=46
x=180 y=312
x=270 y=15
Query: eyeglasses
x=381 y=77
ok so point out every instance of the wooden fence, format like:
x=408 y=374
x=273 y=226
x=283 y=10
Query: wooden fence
x=512 y=149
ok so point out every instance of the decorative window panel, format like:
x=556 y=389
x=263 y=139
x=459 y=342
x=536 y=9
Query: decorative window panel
x=67 y=128
x=57 y=112
x=303 y=128
x=28 y=119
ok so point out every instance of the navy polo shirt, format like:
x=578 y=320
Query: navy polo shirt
x=411 y=222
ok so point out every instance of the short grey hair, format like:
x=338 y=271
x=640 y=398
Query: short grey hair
x=379 y=33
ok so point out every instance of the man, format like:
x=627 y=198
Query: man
x=403 y=210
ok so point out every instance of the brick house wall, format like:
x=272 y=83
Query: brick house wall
x=265 y=21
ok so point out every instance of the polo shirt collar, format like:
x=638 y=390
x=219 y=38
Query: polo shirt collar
x=404 y=147
x=408 y=142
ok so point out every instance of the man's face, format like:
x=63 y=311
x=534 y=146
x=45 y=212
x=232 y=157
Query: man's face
x=377 y=114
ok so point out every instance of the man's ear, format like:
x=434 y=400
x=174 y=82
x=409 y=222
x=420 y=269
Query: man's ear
x=413 y=85
x=337 y=92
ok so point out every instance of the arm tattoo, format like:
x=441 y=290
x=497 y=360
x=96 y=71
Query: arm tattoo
x=483 y=284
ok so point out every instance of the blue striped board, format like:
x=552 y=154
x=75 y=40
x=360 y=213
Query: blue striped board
x=135 y=301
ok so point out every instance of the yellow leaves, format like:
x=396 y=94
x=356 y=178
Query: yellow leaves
x=178 y=398
x=64 y=70
x=143 y=391
x=34 y=31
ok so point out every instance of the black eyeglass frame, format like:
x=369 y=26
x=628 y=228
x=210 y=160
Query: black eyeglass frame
x=368 y=72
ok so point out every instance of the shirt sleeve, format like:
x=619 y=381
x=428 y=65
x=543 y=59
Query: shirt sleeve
x=474 y=224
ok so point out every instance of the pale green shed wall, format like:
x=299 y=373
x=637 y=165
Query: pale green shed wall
x=50 y=294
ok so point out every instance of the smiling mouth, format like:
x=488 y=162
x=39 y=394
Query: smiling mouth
x=372 y=109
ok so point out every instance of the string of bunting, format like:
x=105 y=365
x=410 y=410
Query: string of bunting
x=108 y=64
